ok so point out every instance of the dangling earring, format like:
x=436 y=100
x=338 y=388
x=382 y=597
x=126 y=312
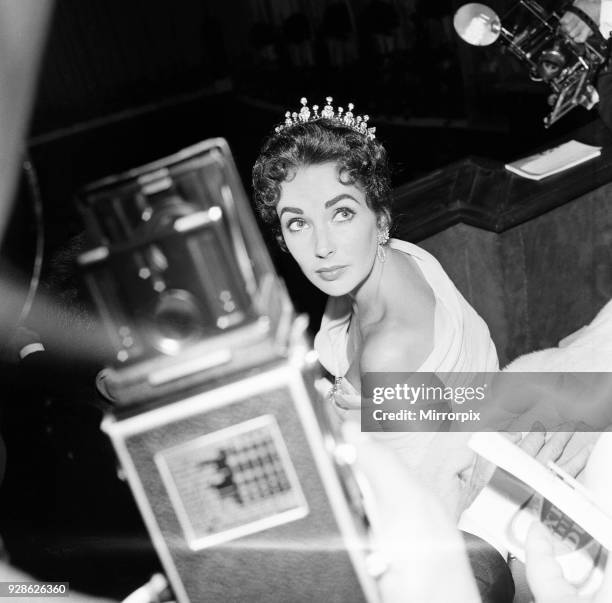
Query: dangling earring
x=382 y=238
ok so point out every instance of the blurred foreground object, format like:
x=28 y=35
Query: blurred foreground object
x=523 y=491
x=180 y=274
x=23 y=25
x=542 y=45
x=221 y=435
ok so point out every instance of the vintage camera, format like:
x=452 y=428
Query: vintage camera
x=534 y=36
x=180 y=274
x=228 y=450
x=245 y=493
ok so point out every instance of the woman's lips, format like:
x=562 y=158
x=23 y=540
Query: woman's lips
x=332 y=273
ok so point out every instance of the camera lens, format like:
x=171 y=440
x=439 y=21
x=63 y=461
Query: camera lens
x=175 y=320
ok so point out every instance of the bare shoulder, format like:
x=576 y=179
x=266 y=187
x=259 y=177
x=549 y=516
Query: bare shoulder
x=410 y=289
x=397 y=346
x=403 y=338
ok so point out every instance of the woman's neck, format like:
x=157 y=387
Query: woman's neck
x=368 y=299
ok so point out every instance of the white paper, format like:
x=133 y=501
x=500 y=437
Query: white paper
x=553 y=161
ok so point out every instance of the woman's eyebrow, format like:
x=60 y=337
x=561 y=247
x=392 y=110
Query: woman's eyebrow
x=293 y=210
x=339 y=197
x=328 y=204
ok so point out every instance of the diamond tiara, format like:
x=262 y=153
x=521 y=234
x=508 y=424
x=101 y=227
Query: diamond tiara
x=356 y=122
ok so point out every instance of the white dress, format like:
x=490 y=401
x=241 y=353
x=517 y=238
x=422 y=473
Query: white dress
x=462 y=342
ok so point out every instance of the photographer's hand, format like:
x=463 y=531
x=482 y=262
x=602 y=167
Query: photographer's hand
x=546 y=579
x=574 y=26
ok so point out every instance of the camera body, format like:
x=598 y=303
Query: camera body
x=225 y=443
x=243 y=494
x=180 y=274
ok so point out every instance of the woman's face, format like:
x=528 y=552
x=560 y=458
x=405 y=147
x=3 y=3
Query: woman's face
x=328 y=228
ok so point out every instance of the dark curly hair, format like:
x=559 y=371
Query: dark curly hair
x=360 y=160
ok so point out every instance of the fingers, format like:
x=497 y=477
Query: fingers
x=533 y=442
x=536 y=445
x=554 y=447
x=580 y=33
x=575 y=27
x=567 y=21
x=514 y=436
x=578 y=462
x=544 y=574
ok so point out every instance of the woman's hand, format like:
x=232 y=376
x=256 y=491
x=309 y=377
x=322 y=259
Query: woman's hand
x=545 y=576
x=554 y=449
x=565 y=449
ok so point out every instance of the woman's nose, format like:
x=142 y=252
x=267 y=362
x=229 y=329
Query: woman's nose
x=324 y=244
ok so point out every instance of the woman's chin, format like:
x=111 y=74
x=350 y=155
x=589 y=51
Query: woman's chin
x=335 y=288
x=336 y=291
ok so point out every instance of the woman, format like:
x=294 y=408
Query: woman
x=322 y=183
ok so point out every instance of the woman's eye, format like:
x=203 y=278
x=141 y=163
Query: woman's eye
x=295 y=225
x=343 y=214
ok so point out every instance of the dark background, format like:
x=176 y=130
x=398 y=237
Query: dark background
x=125 y=82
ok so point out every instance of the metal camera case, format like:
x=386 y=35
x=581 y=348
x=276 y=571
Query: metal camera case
x=224 y=441
x=180 y=274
